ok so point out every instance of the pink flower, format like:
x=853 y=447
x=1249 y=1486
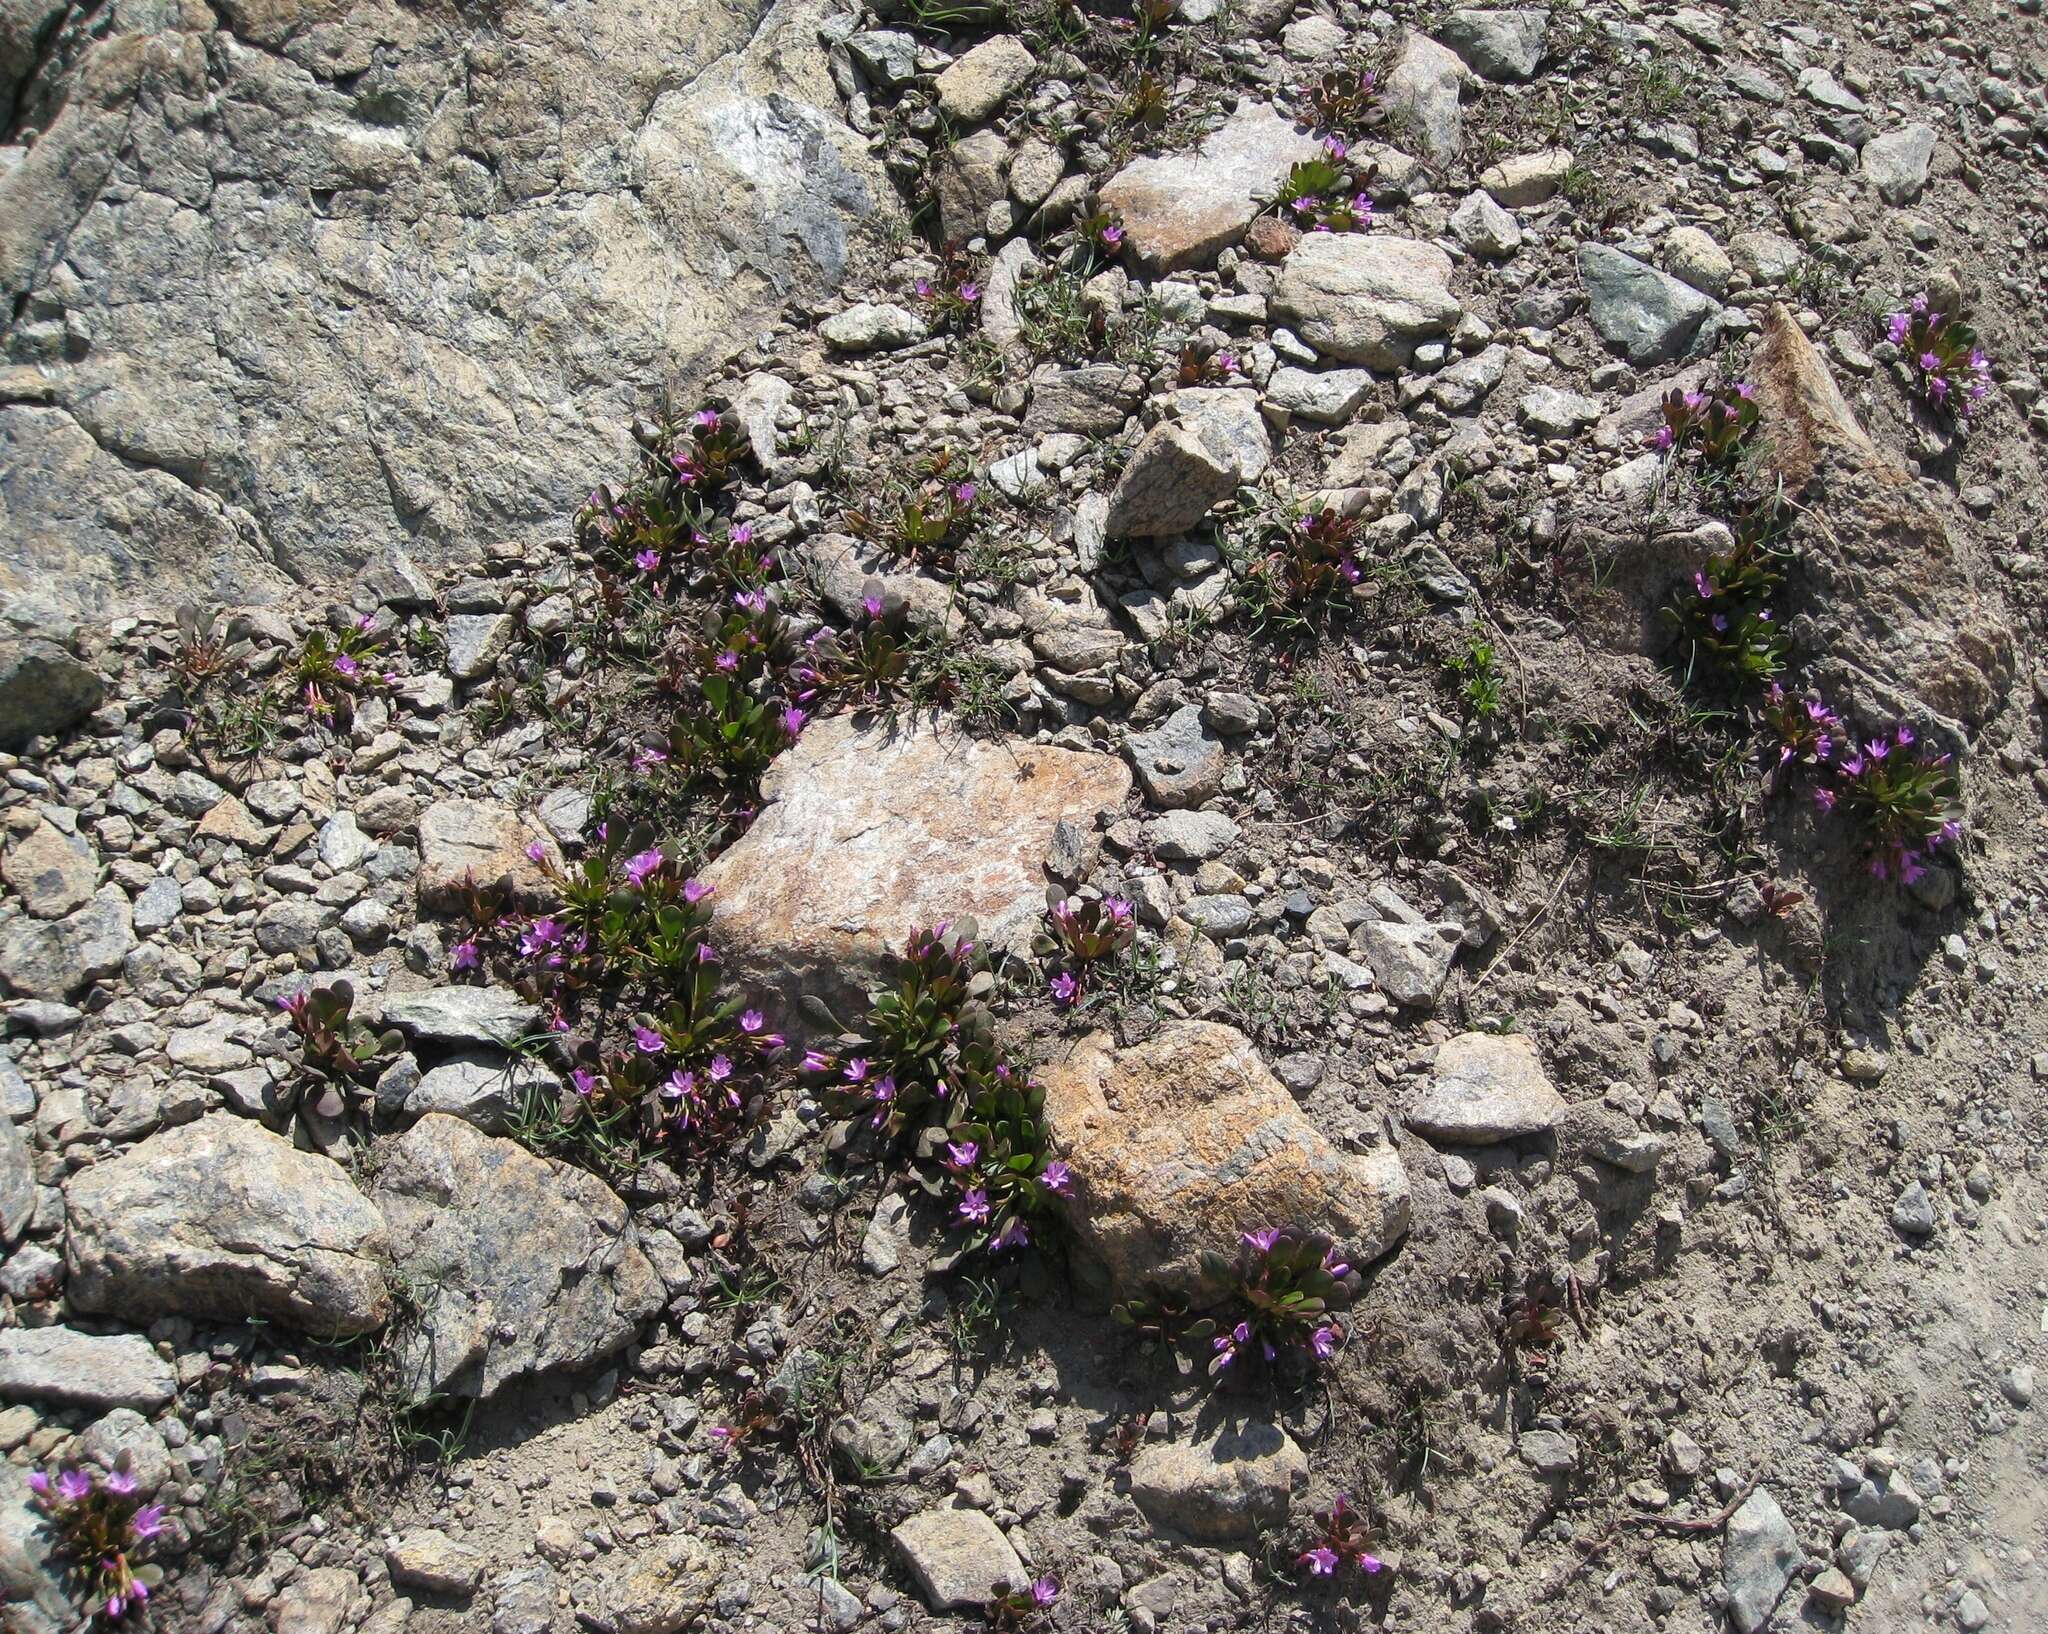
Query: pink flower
x=647 y=560
x=644 y=758
x=752 y=1021
x=1324 y=1343
x=1015 y=1234
x=536 y=852
x=121 y=1483
x=974 y=1206
x=1112 y=235
x=464 y=956
x=970 y=292
x=73 y=1485
x=1057 y=1178
x=1045 y=1590
x=347 y=667
x=793 y=721
x=641 y=868
x=695 y=891
x=1321 y=1561
x=1261 y=1242
x=1064 y=988
x=646 y=1040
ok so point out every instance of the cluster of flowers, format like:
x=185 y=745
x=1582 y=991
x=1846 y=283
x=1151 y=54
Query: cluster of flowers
x=1314 y=559
x=1289 y=1282
x=1727 y=623
x=923 y=1074
x=97 y=1522
x=952 y=299
x=333 y=668
x=1200 y=368
x=1082 y=935
x=1343 y=100
x=1343 y=1539
x=339 y=1056
x=1327 y=194
x=1016 y=1611
x=1901 y=796
x=1950 y=370
x=1718 y=422
x=929 y=517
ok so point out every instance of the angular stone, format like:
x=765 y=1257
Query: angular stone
x=1423 y=90
x=1484 y=1088
x=973 y=176
x=51 y=872
x=1904 y=626
x=960 y=1558
x=1191 y=836
x=1409 y=961
x=223 y=1219
x=1230 y=426
x=868 y=831
x=1483 y=228
x=1898 y=161
x=1184 y=209
x=1180 y=762
x=327 y=1600
x=44 y=690
x=343 y=845
x=1527 y=179
x=1642 y=312
x=1331 y=396
x=979 y=81
x=76 y=1369
x=1503 y=44
x=489 y=1091
x=1093 y=400
x=872 y=326
x=1182 y=1142
x=1759 y=1555
x=433 y=1561
x=492 y=1016
x=663 y=1586
x=476 y=641
x=17 y=1182
x=526 y=1265
x=464 y=838
x=1549 y=412
x=1171 y=481
x=1367 y=297
x=1237 y=1482
x=1692 y=257
x=60 y=958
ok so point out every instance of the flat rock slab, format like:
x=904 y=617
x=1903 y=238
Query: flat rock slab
x=1184 y=209
x=1367 y=297
x=1233 y=1484
x=870 y=831
x=1645 y=314
x=960 y=1558
x=61 y=958
x=1172 y=479
x=1181 y=1143
x=1759 y=1555
x=100 y=1371
x=223 y=1219
x=1486 y=1087
x=463 y=1015
x=1904 y=625
x=51 y=872
x=465 y=839
x=526 y=1265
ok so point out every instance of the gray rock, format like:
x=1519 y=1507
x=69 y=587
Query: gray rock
x=476 y=641
x=1235 y=1483
x=1093 y=400
x=1367 y=297
x=465 y=210
x=1766 y=257
x=1409 y=961
x=1180 y=762
x=1527 y=179
x=887 y=1238
x=343 y=845
x=1692 y=257
x=1548 y=1452
x=126 y=1431
x=52 y=873
x=979 y=81
x=44 y=690
x=1819 y=86
x=493 y=1016
x=1549 y=412
x=160 y=905
x=1897 y=162
x=973 y=176
x=1498 y=45
x=223 y=1219
x=1331 y=396
x=1759 y=1555
x=30 y=1593
x=527 y=1265
x=480 y=839
x=1646 y=314
x=84 y=1369
x=1485 y=1087
x=1483 y=228
x=489 y=1091
x=1230 y=425
x=887 y=56
x=17 y=1182
x=959 y=1557
x=1889 y=1501
x=1466 y=384
x=1218 y=916
x=60 y=958
x=872 y=326
x=292 y=925
x=523 y=1600
x=1169 y=484
x=1913 y=1212
x=1191 y=836
x=1423 y=89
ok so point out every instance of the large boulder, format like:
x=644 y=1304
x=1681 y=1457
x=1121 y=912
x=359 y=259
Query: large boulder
x=1901 y=624
x=522 y=1264
x=43 y=689
x=223 y=1219
x=1367 y=297
x=360 y=276
x=1181 y=1143
x=871 y=830
x=1184 y=209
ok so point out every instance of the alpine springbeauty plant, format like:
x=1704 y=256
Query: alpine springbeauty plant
x=1343 y=101
x=1726 y=623
x=1950 y=372
x=1327 y=194
x=1082 y=933
x=1800 y=731
x=333 y=667
x=1902 y=796
x=951 y=300
x=1021 y=1611
x=929 y=519
x=339 y=1056
x=1718 y=422
x=1289 y=1282
x=101 y=1527
x=1343 y=1538
x=1313 y=559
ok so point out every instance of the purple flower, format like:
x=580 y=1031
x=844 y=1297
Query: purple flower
x=720 y=1069
x=1064 y=988
x=742 y=535
x=705 y=420
x=585 y=1082
x=752 y=1021
x=73 y=1485
x=1045 y=1590
x=1057 y=1178
x=1896 y=328
x=728 y=661
x=644 y=758
x=1112 y=235
x=974 y=1206
x=648 y=561
x=1015 y=1234
x=961 y=1154
x=793 y=721
x=347 y=667
x=645 y=866
x=855 y=1070
x=39 y=1483
x=465 y=956
x=1262 y=1241
x=1824 y=798
x=1321 y=1561
x=970 y=292
x=541 y=936
x=121 y=1483
x=964 y=492
x=882 y=1094
x=1334 y=146
x=1118 y=908
x=1336 y=1267
x=680 y=1085
x=1323 y=1342
x=1703 y=584
x=646 y=1040
x=695 y=891
x=1663 y=438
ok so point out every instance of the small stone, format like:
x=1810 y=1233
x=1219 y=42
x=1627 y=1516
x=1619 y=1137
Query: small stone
x=60 y=958
x=1169 y=484
x=1482 y=228
x=1913 y=1213
x=2018 y=1386
x=434 y=1562
x=1691 y=256
x=1191 y=836
x=1548 y=1452
x=978 y=82
x=1485 y=1087
x=872 y=326
x=960 y=1558
x=1759 y=1555
x=1527 y=179
x=476 y=641
x=1331 y=397
x=43 y=691
x=887 y=1237
x=1898 y=161
x=493 y=1016
x=1644 y=313
x=1832 y=1591
x=1236 y=1483
x=52 y=873
x=1180 y=762
x=1503 y=45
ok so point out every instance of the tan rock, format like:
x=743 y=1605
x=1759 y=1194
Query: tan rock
x=51 y=872
x=1486 y=1087
x=461 y=838
x=1366 y=297
x=1904 y=628
x=1181 y=1143
x=869 y=831
x=978 y=82
x=1236 y=1482
x=231 y=820
x=1184 y=209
